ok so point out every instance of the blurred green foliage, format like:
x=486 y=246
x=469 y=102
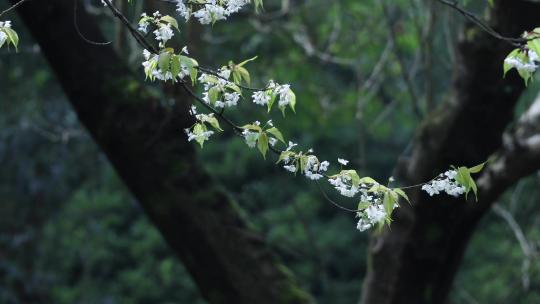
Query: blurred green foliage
x=70 y=232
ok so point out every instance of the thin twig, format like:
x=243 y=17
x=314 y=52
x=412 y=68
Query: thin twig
x=14 y=6
x=237 y=129
x=134 y=32
x=78 y=30
x=486 y=28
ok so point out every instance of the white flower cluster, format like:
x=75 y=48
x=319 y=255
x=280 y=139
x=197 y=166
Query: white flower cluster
x=521 y=65
x=211 y=11
x=342 y=161
x=273 y=89
x=261 y=98
x=4 y=36
x=250 y=137
x=199 y=131
x=445 y=183
x=163 y=32
x=371 y=216
x=343 y=184
x=198 y=136
x=229 y=99
x=151 y=63
x=314 y=168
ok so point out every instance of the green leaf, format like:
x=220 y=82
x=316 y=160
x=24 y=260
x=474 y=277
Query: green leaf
x=258 y=5
x=213 y=95
x=234 y=87
x=214 y=123
x=252 y=127
x=272 y=99
x=477 y=168
x=244 y=74
x=388 y=203
x=355 y=178
x=507 y=67
x=303 y=162
x=277 y=134
x=262 y=144
x=292 y=104
x=368 y=180
x=197 y=130
x=175 y=65
x=193 y=75
x=241 y=64
x=363 y=205
x=284 y=155
x=237 y=78
x=171 y=20
x=402 y=193
x=465 y=179
x=534 y=45
x=12 y=37
x=164 y=62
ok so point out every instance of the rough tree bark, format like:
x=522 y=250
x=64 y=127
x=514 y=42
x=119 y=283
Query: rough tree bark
x=416 y=261
x=229 y=263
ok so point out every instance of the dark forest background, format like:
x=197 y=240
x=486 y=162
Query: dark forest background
x=366 y=74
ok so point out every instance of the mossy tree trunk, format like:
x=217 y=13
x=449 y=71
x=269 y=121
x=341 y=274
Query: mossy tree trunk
x=416 y=261
x=145 y=143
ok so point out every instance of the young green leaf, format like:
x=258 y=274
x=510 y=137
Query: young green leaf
x=402 y=193
x=262 y=144
x=252 y=127
x=277 y=134
x=172 y=21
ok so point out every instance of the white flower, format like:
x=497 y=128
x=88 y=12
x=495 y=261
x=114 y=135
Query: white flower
x=231 y=99
x=346 y=191
x=429 y=189
x=234 y=6
x=224 y=73
x=445 y=183
x=272 y=141
x=363 y=225
x=291 y=145
x=342 y=161
x=182 y=9
x=520 y=65
x=451 y=174
x=260 y=98
x=324 y=166
x=213 y=10
x=3 y=38
x=5 y=24
x=532 y=56
x=146 y=54
x=376 y=213
x=313 y=176
x=204 y=135
x=290 y=168
x=143 y=26
x=285 y=95
x=164 y=32
x=250 y=138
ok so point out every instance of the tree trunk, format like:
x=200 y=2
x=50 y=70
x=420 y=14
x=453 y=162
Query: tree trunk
x=145 y=143
x=416 y=261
